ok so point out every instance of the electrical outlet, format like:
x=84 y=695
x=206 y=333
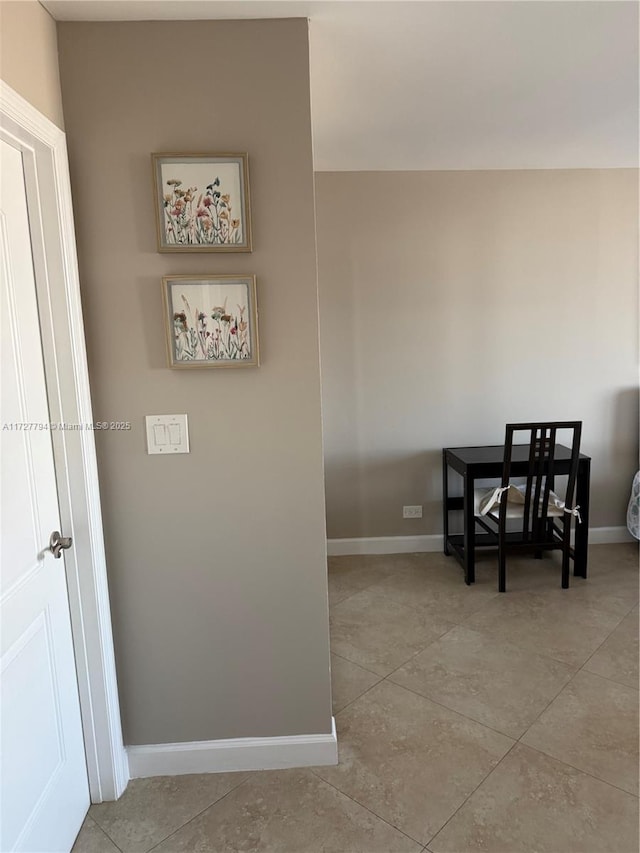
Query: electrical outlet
x=412 y=512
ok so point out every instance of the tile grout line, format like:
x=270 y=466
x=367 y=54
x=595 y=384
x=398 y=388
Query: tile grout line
x=519 y=740
x=475 y=612
x=408 y=660
x=420 y=609
x=382 y=594
x=621 y=617
x=489 y=635
x=104 y=832
x=598 y=607
x=533 y=651
x=364 y=693
x=423 y=696
x=420 y=650
x=453 y=711
x=526 y=649
x=435 y=702
x=561 y=760
x=513 y=744
x=481 y=782
x=516 y=741
x=378 y=594
x=521 y=648
x=595 y=652
x=385 y=677
x=607 y=678
x=547 y=706
x=362 y=806
x=202 y=811
x=534 y=590
x=579 y=770
x=348 y=660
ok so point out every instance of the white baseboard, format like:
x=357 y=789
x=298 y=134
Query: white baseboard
x=424 y=544
x=226 y=756
x=609 y=535
x=384 y=545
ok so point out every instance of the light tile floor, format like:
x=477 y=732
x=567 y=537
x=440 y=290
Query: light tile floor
x=467 y=721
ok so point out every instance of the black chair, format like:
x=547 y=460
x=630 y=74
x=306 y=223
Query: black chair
x=532 y=516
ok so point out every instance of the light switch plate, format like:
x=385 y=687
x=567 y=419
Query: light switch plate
x=167 y=434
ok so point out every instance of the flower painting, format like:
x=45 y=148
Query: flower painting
x=211 y=321
x=202 y=202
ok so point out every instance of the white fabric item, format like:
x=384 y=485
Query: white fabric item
x=488 y=502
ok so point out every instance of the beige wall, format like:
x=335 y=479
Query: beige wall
x=455 y=302
x=217 y=562
x=29 y=55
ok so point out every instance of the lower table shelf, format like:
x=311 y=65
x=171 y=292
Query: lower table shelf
x=487 y=540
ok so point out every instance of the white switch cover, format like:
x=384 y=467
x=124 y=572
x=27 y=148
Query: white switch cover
x=167 y=434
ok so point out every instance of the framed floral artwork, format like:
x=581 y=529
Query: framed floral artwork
x=202 y=202
x=211 y=320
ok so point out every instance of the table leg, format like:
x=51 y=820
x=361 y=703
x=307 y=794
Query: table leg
x=469 y=532
x=445 y=502
x=582 y=530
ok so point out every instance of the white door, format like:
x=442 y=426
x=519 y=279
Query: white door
x=43 y=778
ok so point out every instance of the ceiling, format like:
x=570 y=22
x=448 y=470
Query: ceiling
x=449 y=85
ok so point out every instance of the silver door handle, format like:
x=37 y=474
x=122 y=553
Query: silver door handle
x=58 y=543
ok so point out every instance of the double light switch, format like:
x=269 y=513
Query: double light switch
x=167 y=434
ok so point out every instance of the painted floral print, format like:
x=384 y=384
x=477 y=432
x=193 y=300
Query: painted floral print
x=217 y=335
x=194 y=217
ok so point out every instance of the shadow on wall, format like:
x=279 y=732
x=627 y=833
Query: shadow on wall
x=150 y=306
x=366 y=494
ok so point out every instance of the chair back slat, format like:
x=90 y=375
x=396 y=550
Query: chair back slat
x=529 y=484
x=542 y=467
x=544 y=475
x=506 y=467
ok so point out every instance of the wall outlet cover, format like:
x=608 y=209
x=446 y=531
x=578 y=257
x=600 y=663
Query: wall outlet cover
x=412 y=512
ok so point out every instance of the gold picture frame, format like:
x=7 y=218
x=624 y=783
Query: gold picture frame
x=202 y=202
x=211 y=321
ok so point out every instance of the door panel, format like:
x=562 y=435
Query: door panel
x=44 y=790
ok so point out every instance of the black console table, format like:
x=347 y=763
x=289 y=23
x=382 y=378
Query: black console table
x=485 y=463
